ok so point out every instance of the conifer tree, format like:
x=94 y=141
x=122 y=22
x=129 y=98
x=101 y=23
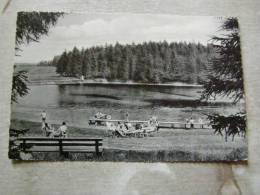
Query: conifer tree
x=147 y=62
x=30 y=26
x=226 y=79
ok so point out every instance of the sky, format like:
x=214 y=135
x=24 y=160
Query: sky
x=86 y=30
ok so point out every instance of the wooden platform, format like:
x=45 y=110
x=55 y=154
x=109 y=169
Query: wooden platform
x=162 y=124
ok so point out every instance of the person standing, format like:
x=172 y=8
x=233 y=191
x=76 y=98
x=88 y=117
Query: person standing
x=127 y=116
x=191 y=122
x=201 y=122
x=44 y=116
x=82 y=78
x=186 y=123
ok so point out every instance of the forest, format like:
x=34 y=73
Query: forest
x=153 y=62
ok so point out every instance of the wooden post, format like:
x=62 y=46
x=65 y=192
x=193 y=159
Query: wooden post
x=60 y=146
x=96 y=146
x=24 y=146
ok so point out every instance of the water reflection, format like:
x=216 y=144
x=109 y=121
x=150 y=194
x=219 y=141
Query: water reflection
x=86 y=94
x=79 y=102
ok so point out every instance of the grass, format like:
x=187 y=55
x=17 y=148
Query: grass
x=35 y=129
x=166 y=145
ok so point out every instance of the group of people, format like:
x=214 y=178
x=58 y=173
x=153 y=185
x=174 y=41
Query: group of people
x=100 y=115
x=191 y=122
x=124 y=128
x=50 y=131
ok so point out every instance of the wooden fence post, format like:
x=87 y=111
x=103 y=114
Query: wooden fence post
x=97 y=147
x=60 y=146
x=24 y=146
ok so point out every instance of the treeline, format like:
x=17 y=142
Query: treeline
x=46 y=63
x=155 y=62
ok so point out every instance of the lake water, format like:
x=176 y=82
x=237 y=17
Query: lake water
x=77 y=103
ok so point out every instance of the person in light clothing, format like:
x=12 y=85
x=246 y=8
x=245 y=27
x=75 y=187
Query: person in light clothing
x=44 y=116
x=127 y=116
x=82 y=78
x=201 y=122
x=63 y=130
x=192 y=122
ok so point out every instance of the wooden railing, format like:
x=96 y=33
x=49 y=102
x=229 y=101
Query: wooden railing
x=162 y=124
x=61 y=145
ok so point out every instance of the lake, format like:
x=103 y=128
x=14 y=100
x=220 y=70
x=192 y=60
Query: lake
x=77 y=103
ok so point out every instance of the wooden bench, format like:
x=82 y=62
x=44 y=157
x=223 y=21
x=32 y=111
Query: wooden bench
x=61 y=145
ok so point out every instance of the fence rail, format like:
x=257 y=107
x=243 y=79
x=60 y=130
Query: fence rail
x=162 y=124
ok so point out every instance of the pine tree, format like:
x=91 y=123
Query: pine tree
x=30 y=26
x=226 y=79
x=85 y=64
x=93 y=64
x=62 y=64
x=76 y=62
x=147 y=62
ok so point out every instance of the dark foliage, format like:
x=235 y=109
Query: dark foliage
x=226 y=76
x=226 y=79
x=154 y=62
x=30 y=26
x=19 y=87
x=229 y=125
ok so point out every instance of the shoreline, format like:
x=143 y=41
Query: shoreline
x=113 y=83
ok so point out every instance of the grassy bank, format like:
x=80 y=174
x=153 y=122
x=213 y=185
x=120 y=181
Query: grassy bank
x=167 y=145
x=35 y=129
